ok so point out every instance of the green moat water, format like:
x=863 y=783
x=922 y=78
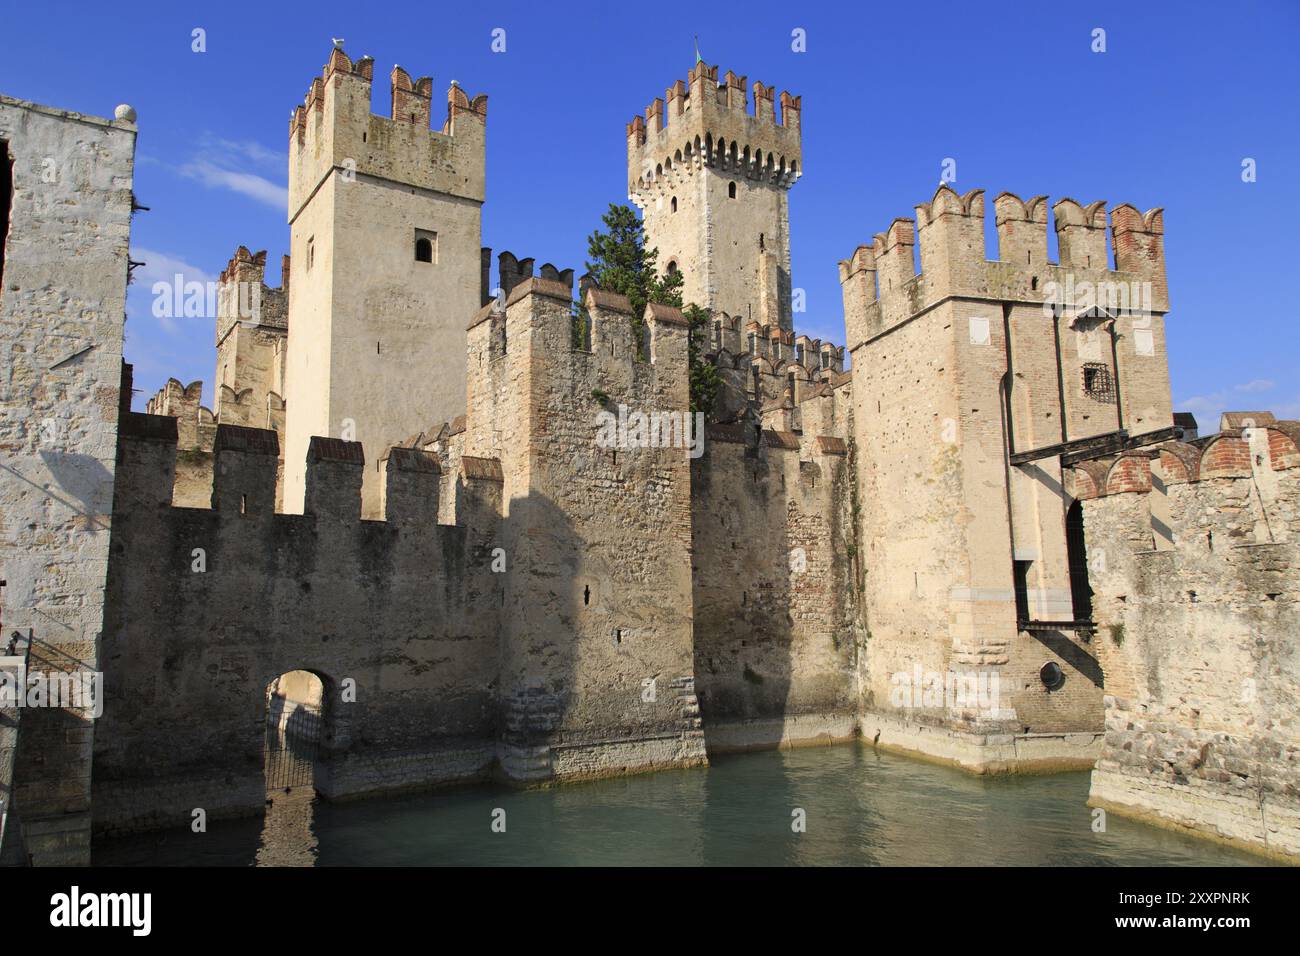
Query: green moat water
x=862 y=808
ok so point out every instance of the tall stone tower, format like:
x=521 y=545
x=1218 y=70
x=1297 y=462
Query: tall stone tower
x=975 y=383
x=711 y=180
x=385 y=218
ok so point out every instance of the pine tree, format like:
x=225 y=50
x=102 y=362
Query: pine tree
x=705 y=379
x=619 y=262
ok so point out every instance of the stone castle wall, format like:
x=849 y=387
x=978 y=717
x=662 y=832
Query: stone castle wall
x=597 y=624
x=62 y=302
x=777 y=619
x=1198 y=638
x=208 y=606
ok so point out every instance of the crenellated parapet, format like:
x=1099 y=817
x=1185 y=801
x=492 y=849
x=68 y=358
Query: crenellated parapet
x=254 y=407
x=766 y=367
x=729 y=336
x=1241 y=485
x=244 y=297
x=881 y=286
x=244 y=475
x=511 y=270
x=335 y=130
x=195 y=424
x=702 y=123
x=540 y=340
x=1194 y=568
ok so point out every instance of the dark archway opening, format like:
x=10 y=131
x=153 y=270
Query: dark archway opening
x=1077 y=551
x=6 y=200
x=295 y=723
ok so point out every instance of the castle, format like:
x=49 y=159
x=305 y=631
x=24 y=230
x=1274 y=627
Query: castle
x=985 y=542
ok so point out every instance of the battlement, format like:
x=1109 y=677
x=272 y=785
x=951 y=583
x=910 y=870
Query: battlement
x=1237 y=487
x=334 y=129
x=175 y=399
x=544 y=353
x=1231 y=453
x=542 y=309
x=512 y=270
x=244 y=475
x=195 y=424
x=730 y=340
x=772 y=370
x=882 y=288
x=251 y=406
x=701 y=123
x=244 y=296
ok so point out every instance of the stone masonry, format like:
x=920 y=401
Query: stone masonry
x=67 y=221
x=1197 y=639
x=967 y=564
x=507 y=549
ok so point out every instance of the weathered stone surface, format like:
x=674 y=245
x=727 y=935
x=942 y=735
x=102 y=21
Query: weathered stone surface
x=62 y=302
x=1197 y=640
x=506 y=592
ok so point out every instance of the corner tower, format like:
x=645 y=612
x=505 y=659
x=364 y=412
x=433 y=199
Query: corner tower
x=711 y=179
x=385 y=222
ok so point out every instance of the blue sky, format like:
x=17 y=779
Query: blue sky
x=1013 y=92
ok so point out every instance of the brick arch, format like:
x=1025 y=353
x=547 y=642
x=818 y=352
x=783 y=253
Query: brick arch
x=1129 y=473
x=1284 y=445
x=1080 y=484
x=1226 y=456
x=1179 y=466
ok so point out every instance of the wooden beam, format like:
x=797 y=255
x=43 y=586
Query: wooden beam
x=1097 y=446
x=1129 y=443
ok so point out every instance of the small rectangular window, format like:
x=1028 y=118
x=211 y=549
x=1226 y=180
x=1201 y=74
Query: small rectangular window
x=311 y=252
x=426 y=246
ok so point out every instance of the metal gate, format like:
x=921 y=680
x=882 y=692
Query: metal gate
x=293 y=736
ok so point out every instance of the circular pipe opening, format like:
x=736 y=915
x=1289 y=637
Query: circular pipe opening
x=1051 y=675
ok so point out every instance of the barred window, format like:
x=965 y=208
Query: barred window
x=1097 y=383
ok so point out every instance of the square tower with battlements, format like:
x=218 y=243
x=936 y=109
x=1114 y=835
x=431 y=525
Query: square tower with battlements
x=385 y=216
x=711 y=179
x=975 y=382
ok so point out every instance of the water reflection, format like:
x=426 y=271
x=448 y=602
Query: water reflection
x=288 y=836
x=862 y=807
